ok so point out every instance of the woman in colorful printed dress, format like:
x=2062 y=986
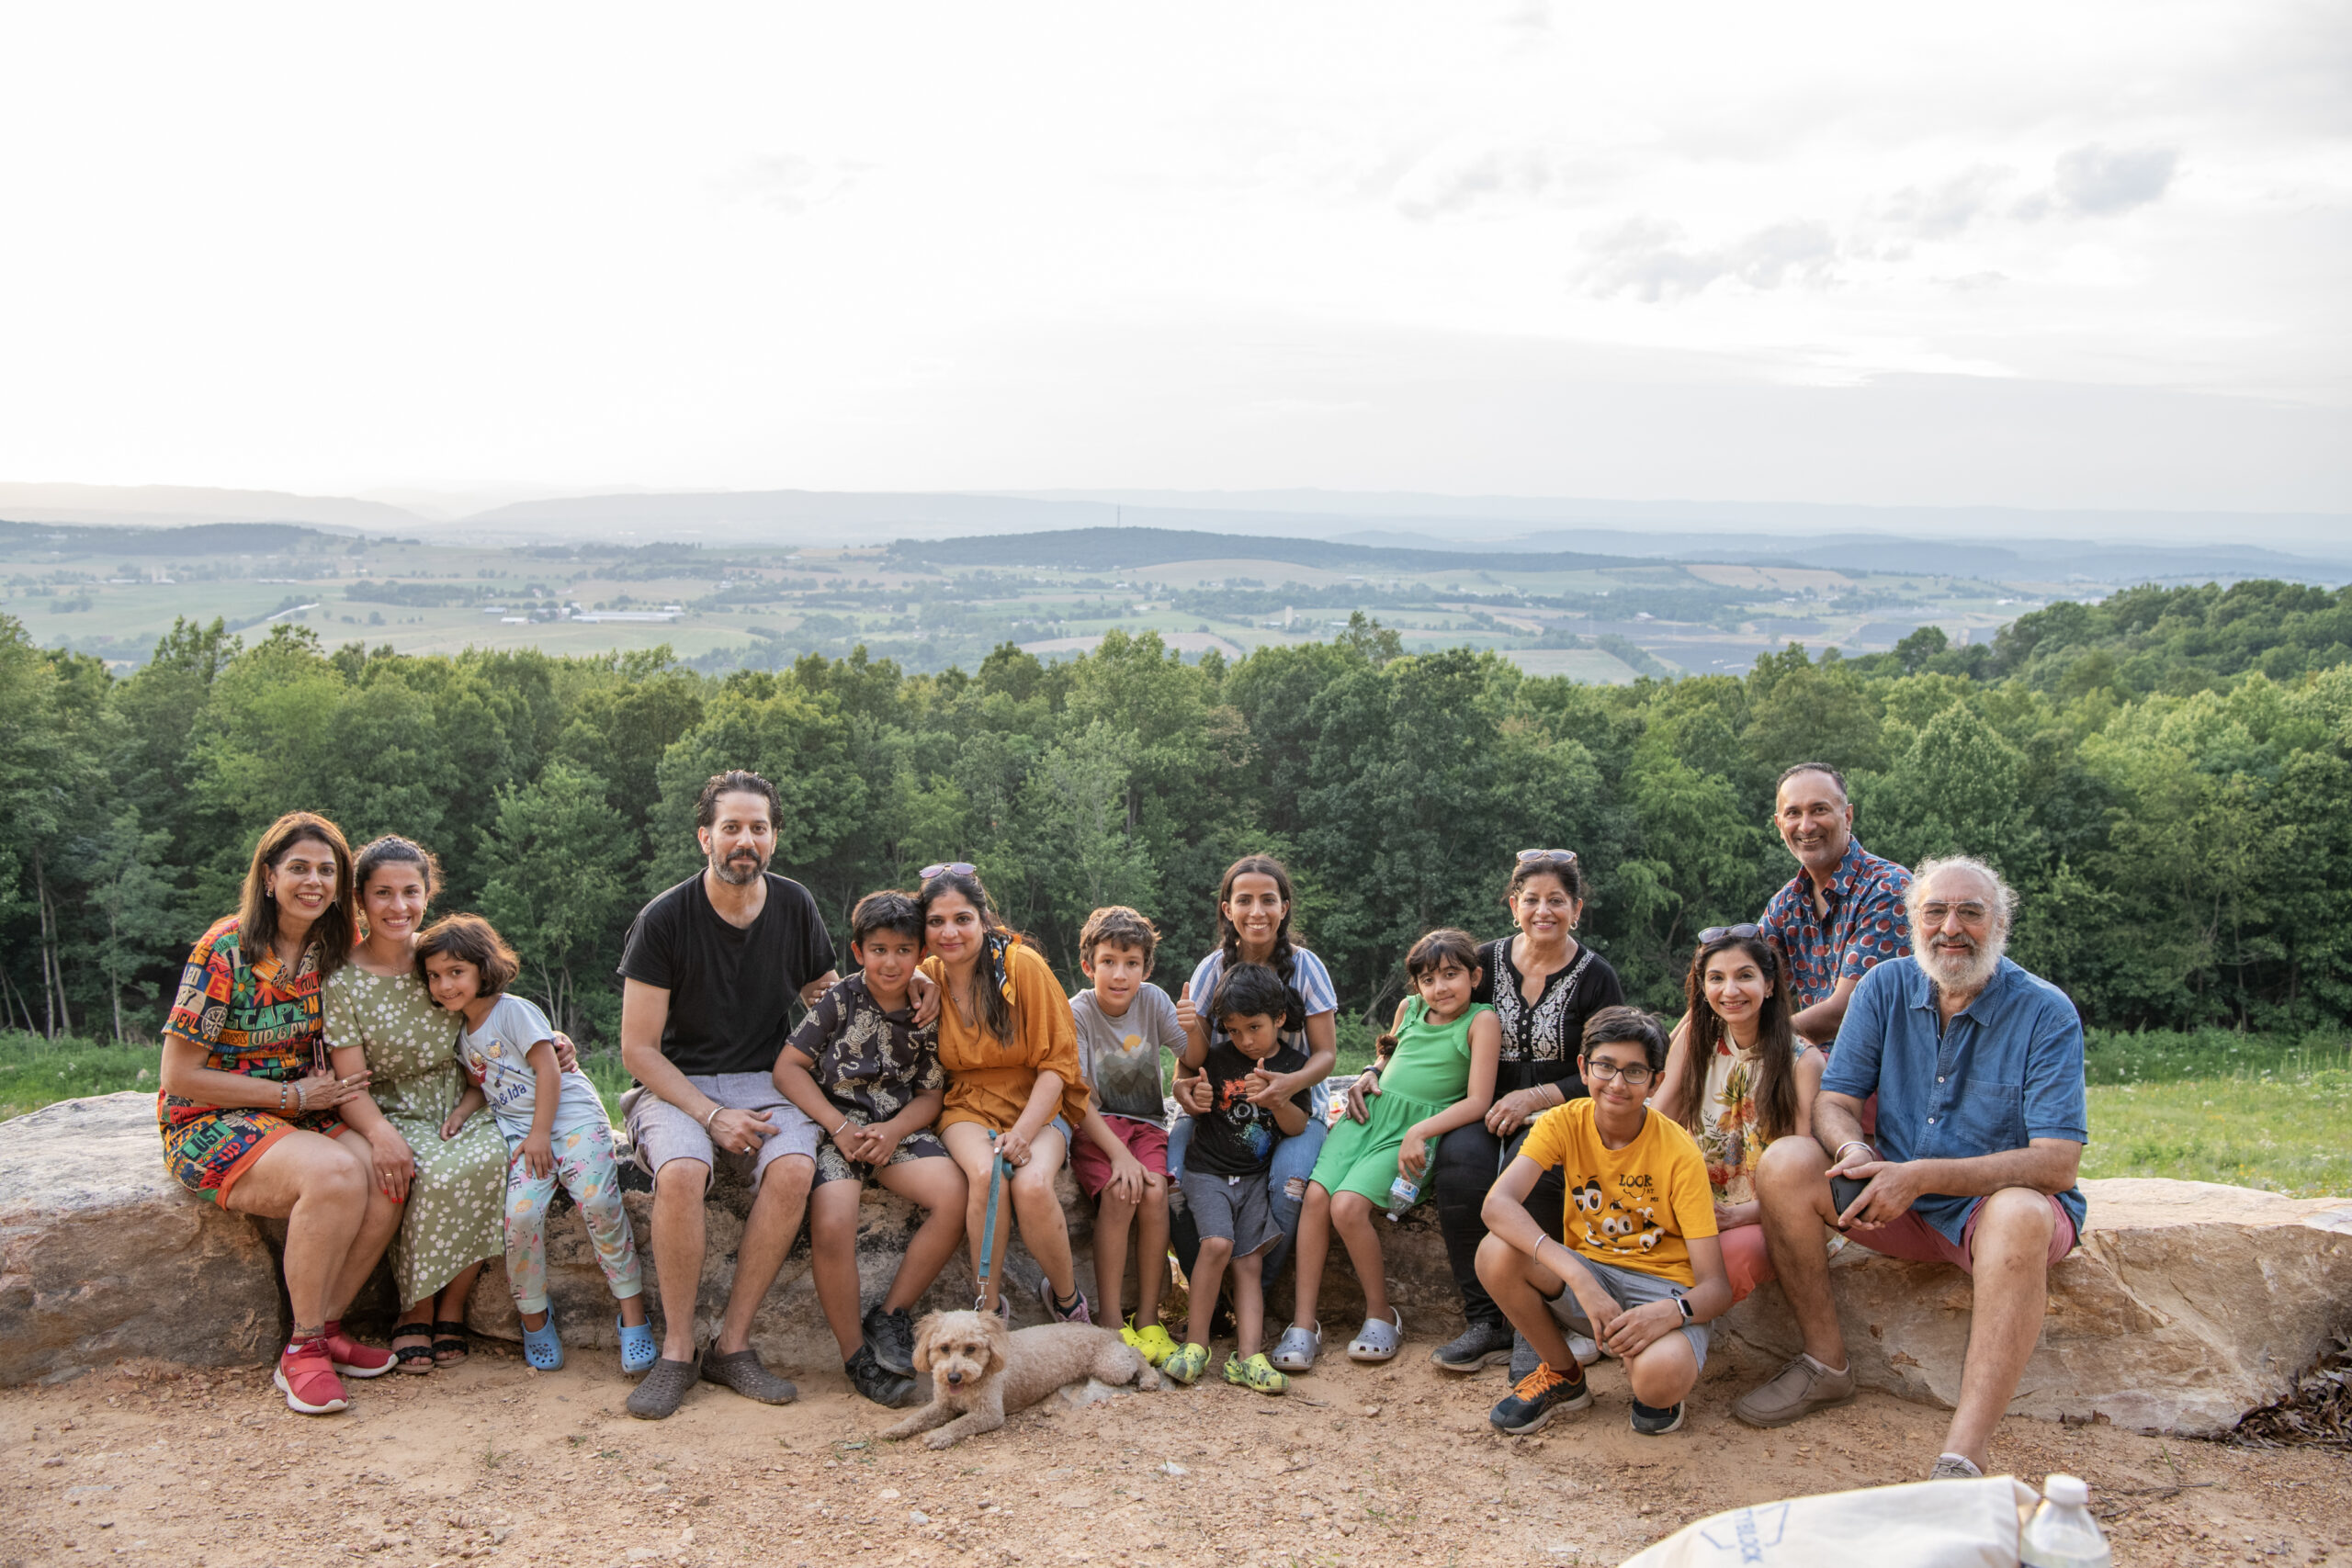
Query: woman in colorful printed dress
x=1738 y=1079
x=249 y=1107
x=381 y=1026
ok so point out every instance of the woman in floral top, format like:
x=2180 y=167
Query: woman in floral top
x=380 y=1022
x=249 y=1108
x=1738 y=1082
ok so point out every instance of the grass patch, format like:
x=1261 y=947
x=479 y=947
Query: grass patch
x=35 y=1072
x=2286 y=1128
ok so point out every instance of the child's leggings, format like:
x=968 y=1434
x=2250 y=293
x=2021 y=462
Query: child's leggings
x=583 y=1163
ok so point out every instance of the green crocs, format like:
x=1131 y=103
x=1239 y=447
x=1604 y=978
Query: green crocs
x=1257 y=1373
x=1186 y=1364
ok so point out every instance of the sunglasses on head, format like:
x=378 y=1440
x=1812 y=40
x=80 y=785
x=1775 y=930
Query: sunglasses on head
x=961 y=867
x=1568 y=855
x=1736 y=933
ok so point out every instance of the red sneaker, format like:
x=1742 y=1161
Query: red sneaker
x=306 y=1376
x=353 y=1359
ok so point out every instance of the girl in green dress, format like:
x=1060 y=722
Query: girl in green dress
x=377 y=1014
x=1439 y=1075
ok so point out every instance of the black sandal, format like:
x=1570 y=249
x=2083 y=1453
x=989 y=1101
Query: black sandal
x=406 y=1356
x=448 y=1337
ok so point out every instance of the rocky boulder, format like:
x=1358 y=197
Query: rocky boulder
x=103 y=1255
x=2188 y=1305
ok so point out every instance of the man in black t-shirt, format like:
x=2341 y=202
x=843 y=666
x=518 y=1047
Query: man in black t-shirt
x=710 y=972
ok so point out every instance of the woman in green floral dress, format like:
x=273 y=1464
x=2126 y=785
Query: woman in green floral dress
x=377 y=1014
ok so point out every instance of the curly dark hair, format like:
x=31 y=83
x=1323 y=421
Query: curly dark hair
x=474 y=941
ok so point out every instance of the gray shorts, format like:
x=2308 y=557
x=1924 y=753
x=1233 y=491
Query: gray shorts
x=1629 y=1288
x=659 y=1132
x=1237 y=1208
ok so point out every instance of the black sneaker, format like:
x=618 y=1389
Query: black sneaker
x=1652 y=1422
x=884 y=1387
x=1480 y=1345
x=891 y=1336
x=1537 y=1397
x=1524 y=1358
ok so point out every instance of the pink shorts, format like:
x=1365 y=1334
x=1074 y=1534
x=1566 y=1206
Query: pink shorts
x=1914 y=1238
x=1747 y=1261
x=1091 y=1167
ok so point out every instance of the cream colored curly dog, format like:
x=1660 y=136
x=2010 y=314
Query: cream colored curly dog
x=979 y=1369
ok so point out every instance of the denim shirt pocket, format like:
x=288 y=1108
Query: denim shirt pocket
x=1994 y=1114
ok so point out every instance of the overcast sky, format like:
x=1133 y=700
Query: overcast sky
x=2087 y=255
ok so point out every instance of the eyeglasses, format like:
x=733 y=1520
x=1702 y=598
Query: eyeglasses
x=1568 y=855
x=1631 y=1077
x=1738 y=933
x=961 y=867
x=1970 y=914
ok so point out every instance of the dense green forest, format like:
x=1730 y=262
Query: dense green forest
x=2163 y=774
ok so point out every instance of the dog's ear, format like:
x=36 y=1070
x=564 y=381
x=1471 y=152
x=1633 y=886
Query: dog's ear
x=923 y=1333
x=1000 y=1342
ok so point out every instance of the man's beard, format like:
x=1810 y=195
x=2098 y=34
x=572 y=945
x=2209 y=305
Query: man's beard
x=1964 y=974
x=743 y=867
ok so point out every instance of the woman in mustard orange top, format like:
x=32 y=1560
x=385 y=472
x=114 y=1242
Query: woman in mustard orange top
x=1009 y=1048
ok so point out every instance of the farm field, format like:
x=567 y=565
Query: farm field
x=112 y=593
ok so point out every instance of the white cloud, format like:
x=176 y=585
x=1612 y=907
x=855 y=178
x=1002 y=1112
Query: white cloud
x=2095 y=182
x=1644 y=258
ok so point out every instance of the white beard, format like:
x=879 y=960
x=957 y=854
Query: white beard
x=1964 y=974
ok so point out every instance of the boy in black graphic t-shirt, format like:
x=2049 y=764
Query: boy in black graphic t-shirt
x=1224 y=1172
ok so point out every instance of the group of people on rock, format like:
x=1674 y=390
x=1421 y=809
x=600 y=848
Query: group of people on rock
x=1861 y=1065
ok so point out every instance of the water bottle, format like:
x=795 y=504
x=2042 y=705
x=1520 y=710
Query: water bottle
x=2061 y=1533
x=1402 y=1192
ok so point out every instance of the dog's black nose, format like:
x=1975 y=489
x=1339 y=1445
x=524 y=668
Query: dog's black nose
x=953 y=1379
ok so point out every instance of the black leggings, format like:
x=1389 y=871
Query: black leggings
x=1468 y=1160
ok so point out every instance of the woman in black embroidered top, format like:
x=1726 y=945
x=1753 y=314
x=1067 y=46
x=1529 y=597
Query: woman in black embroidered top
x=1542 y=983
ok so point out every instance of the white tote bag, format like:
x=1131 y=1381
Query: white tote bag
x=1930 y=1524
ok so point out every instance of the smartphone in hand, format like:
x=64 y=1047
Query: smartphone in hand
x=1844 y=1189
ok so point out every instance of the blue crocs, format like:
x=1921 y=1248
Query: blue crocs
x=541 y=1345
x=639 y=1349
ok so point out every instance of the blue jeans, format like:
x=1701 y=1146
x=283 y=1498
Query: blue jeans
x=1293 y=1161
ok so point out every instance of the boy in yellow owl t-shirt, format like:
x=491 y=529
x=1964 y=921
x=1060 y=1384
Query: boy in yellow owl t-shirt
x=1639 y=1268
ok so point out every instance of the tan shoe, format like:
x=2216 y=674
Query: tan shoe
x=1796 y=1389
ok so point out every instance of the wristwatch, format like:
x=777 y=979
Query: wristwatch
x=1684 y=1303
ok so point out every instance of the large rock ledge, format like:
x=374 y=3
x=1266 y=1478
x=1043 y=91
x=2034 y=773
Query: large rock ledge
x=2188 y=1304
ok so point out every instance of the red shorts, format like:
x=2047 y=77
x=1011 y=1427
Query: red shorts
x=1092 y=1167
x=1915 y=1239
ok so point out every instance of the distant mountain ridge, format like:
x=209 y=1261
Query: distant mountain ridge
x=1122 y=550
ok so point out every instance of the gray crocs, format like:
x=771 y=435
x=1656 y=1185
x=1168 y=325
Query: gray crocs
x=1296 y=1351
x=663 y=1390
x=1378 y=1340
x=741 y=1371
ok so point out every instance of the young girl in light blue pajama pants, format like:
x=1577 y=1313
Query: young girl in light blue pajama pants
x=555 y=1127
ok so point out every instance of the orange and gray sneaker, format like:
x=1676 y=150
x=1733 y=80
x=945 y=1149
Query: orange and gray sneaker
x=1541 y=1395
x=306 y=1376
x=351 y=1357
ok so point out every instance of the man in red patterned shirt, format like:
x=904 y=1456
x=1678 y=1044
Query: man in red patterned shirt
x=1842 y=914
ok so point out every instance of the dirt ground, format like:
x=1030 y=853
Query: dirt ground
x=492 y=1462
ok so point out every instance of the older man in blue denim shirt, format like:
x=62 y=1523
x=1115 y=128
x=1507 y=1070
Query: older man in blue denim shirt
x=1978 y=1069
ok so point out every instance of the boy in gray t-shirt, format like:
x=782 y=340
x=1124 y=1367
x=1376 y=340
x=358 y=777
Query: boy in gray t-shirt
x=1120 y=1156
